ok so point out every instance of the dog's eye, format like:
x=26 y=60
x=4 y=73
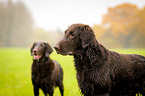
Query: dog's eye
x=41 y=45
x=71 y=34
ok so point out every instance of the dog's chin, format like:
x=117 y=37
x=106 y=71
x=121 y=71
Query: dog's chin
x=36 y=57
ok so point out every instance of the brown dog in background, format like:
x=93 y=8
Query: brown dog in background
x=46 y=73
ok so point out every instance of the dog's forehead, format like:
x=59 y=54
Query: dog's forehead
x=39 y=43
x=74 y=27
x=71 y=28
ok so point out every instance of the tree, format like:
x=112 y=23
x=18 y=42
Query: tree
x=2 y=18
x=16 y=24
x=139 y=27
x=122 y=24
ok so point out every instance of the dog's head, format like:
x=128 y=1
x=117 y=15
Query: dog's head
x=40 y=49
x=76 y=36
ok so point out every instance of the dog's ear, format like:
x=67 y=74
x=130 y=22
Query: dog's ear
x=32 y=48
x=86 y=35
x=48 y=50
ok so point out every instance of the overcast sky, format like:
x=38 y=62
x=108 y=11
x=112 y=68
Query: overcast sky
x=59 y=14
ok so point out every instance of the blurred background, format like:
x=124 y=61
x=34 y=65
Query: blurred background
x=116 y=23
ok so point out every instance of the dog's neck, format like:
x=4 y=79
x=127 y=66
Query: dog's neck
x=92 y=55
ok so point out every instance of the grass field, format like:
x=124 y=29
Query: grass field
x=15 y=72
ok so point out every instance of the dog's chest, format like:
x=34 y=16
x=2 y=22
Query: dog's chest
x=89 y=78
x=40 y=72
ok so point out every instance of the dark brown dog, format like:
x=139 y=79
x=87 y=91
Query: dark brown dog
x=46 y=73
x=101 y=72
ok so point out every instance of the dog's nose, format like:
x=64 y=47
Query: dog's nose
x=56 y=47
x=35 y=51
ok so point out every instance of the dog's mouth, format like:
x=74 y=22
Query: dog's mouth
x=62 y=50
x=70 y=53
x=64 y=53
x=36 y=56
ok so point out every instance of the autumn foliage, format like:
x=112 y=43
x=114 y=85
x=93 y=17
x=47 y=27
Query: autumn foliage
x=122 y=27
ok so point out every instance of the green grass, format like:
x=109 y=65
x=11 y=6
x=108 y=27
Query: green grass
x=15 y=72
